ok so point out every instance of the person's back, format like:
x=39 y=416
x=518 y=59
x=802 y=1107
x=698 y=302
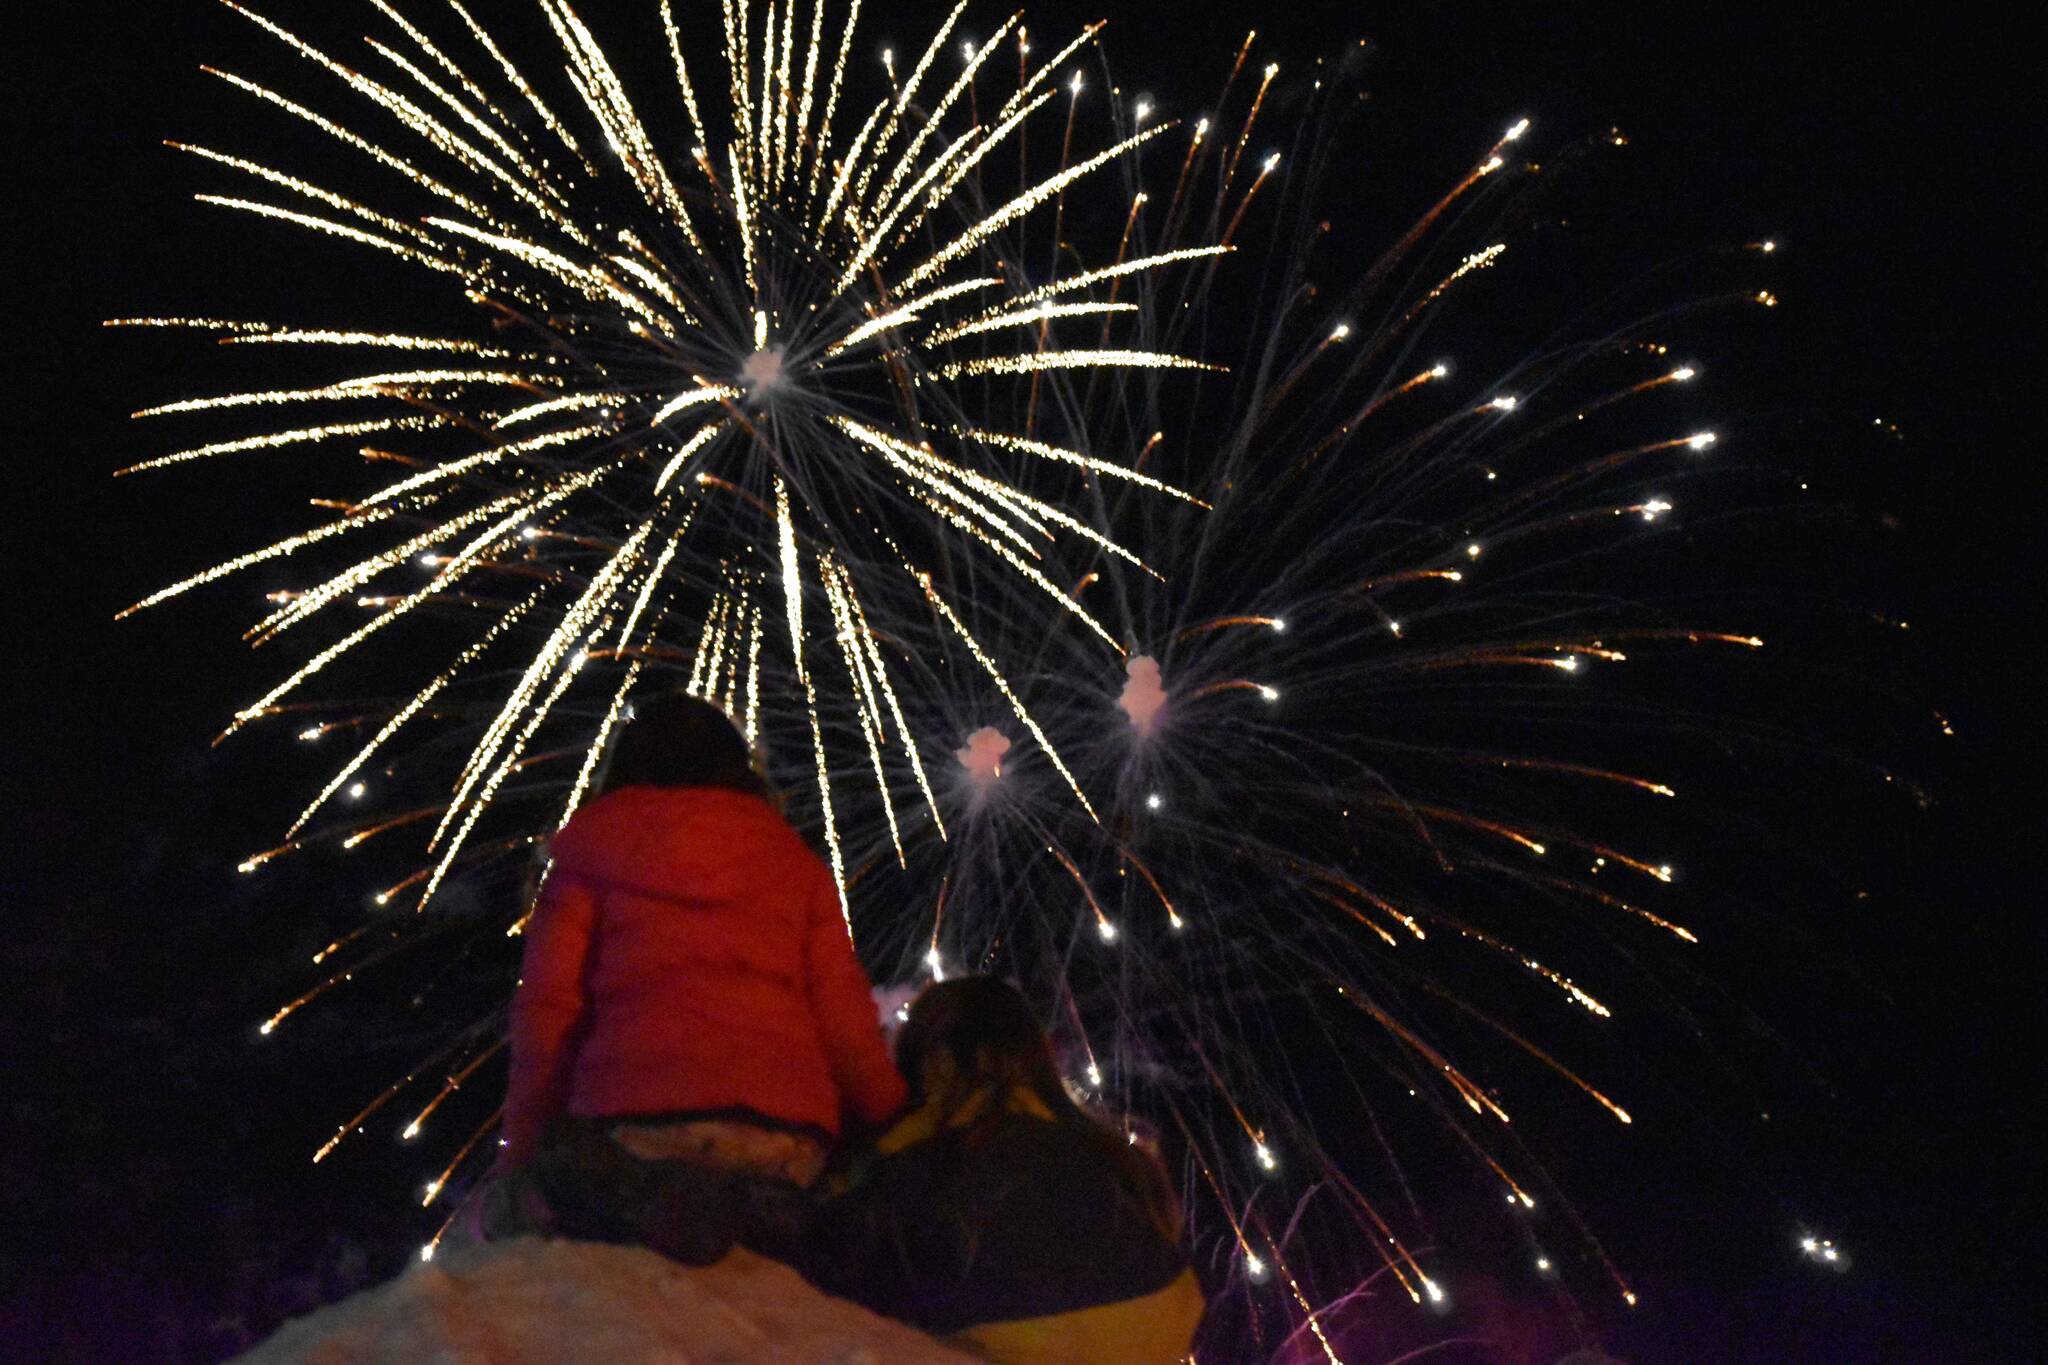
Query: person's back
x=691 y=1022
x=1000 y=1217
x=716 y=974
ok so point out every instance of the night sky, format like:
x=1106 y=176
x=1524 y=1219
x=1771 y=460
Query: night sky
x=152 y=1155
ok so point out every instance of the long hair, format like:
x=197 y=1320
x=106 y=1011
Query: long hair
x=986 y=1028
x=677 y=740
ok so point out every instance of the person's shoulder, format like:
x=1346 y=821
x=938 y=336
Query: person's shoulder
x=904 y=1178
x=762 y=820
x=622 y=823
x=744 y=825
x=594 y=823
x=642 y=805
x=1077 y=1156
x=728 y=805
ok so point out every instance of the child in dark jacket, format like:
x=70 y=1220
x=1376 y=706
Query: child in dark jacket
x=691 y=1024
x=1000 y=1216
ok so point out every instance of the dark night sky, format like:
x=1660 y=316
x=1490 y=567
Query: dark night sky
x=1887 y=157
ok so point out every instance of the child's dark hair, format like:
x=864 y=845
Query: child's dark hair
x=677 y=740
x=985 y=1025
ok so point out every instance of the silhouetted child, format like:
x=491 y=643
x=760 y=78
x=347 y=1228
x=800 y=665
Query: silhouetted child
x=999 y=1215
x=691 y=1023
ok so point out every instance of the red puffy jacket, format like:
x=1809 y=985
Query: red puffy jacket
x=688 y=954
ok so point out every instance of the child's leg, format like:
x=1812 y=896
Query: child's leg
x=720 y=1178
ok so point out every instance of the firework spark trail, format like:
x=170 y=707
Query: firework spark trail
x=803 y=372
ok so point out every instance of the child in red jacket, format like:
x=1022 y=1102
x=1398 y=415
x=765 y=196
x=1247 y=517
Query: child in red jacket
x=691 y=1024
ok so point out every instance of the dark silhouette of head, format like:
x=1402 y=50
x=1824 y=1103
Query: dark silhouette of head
x=982 y=1035
x=677 y=740
x=976 y=1036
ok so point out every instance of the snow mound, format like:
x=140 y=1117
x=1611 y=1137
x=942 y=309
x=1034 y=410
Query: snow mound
x=530 y=1300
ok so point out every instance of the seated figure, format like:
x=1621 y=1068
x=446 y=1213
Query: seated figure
x=1000 y=1216
x=691 y=1028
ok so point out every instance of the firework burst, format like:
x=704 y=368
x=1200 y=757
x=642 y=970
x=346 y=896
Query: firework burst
x=755 y=376
x=1155 y=624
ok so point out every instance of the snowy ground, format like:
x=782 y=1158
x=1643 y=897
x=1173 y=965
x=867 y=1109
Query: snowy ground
x=530 y=1300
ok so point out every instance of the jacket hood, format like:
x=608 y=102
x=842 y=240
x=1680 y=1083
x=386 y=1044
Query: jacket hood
x=702 y=842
